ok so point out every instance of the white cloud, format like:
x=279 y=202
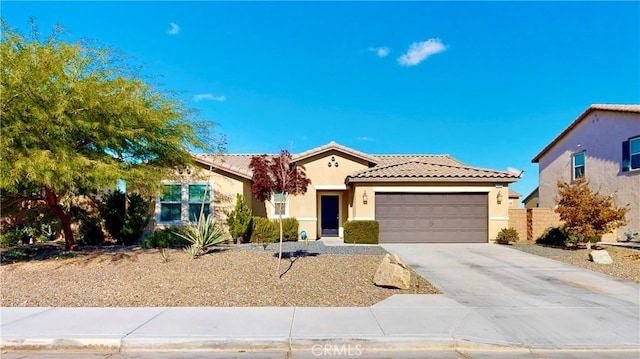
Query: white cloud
x=419 y=51
x=365 y=138
x=380 y=51
x=208 y=96
x=174 y=29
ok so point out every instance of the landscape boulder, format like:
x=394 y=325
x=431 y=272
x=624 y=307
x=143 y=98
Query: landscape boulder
x=392 y=273
x=600 y=257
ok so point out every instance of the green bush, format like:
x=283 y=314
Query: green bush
x=112 y=210
x=289 y=229
x=137 y=218
x=362 y=232
x=90 y=233
x=264 y=230
x=507 y=235
x=240 y=221
x=164 y=238
x=555 y=236
x=12 y=237
x=125 y=225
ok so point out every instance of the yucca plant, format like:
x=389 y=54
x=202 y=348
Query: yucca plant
x=202 y=235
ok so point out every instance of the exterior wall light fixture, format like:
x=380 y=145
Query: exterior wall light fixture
x=499 y=197
x=365 y=199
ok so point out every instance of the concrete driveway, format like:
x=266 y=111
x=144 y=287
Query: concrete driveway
x=528 y=299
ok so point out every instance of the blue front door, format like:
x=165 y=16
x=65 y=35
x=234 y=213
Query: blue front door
x=330 y=215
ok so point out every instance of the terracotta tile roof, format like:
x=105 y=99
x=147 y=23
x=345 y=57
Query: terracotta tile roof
x=514 y=194
x=333 y=146
x=595 y=107
x=383 y=160
x=419 y=171
x=235 y=164
x=403 y=167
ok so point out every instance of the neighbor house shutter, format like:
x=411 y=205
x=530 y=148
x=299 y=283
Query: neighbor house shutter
x=626 y=157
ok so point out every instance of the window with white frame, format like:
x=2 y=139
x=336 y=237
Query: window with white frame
x=182 y=202
x=578 y=165
x=199 y=196
x=280 y=204
x=631 y=154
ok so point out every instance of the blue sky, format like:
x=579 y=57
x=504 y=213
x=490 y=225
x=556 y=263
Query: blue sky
x=490 y=83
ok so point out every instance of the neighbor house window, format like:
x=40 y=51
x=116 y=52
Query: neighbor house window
x=631 y=154
x=279 y=204
x=578 y=165
x=182 y=202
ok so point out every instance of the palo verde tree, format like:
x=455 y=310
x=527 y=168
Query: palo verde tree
x=277 y=176
x=76 y=118
x=587 y=214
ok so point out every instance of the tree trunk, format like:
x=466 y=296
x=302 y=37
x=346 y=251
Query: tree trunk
x=280 y=251
x=65 y=218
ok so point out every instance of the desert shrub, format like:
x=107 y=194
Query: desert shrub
x=125 y=225
x=588 y=214
x=554 y=236
x=12 y=237
x=507 y=235
x=289 y=229
x=112 y=210
x=137 y=218
x=90 y=233
x=362 y=232
x=240 y=221
x=164 y=238
x=264 y=230
x=202 y=235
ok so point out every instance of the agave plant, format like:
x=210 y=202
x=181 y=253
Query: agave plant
x=202 y=235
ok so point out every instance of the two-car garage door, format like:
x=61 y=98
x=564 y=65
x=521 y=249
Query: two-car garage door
x=432 y=217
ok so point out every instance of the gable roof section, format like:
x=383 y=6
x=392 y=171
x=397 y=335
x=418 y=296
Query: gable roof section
x=533 y=194
x=333 y=146
x=383 y=160
x=592 y=108
x=234 y=164
x=419 y=171
x=513 y=194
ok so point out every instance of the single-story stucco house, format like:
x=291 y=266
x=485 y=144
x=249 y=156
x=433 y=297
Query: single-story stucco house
x=602 y=145
x=415 y=198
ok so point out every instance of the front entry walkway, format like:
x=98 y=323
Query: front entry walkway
x=530 y=299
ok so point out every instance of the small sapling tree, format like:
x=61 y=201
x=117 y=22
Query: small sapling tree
x=240 y=220
x=587 y=214
x=277 y=177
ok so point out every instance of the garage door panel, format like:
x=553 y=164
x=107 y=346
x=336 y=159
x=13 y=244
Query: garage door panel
x=432 y=217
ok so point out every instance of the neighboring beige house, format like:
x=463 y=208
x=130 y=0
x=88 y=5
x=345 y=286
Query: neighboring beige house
x=415 y=198
x=603 y=145
x=514 y=199
x=532 y=200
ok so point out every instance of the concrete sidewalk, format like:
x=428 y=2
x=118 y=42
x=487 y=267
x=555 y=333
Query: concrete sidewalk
x=402 y=322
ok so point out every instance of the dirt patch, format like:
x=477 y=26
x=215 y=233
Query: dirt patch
x=138 y=277
x=626 y=261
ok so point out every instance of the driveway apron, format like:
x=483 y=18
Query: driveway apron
x=526 y=299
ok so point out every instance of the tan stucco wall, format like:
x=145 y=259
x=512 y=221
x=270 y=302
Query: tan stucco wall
x=514 y=202
x=498 y=213
x=532 y=203
x=601 y=135
x=225 y=188
x=324 y=180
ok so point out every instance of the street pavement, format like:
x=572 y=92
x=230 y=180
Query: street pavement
x=496 y=300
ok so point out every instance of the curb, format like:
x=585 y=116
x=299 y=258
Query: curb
x=281 y=344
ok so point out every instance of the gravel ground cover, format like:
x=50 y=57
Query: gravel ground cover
x=626 y=261
x=316 y=275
